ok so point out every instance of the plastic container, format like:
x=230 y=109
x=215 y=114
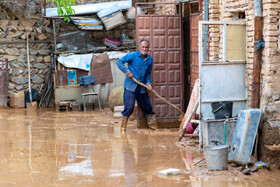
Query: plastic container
x=86 y=80
x=216 y=157
x=17 y=100
x=222 y=109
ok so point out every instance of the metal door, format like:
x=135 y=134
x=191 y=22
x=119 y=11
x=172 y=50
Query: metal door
x=165 y=35
x=224 y=78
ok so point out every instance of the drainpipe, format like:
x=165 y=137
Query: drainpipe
x=205 y=34
x=45 y=8
x=255 y=98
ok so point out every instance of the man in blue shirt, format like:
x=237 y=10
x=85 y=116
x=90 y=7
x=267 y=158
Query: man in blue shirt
x=139 y=66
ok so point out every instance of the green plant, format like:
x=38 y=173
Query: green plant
x=64 y=8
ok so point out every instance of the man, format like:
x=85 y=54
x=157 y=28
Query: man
x=140 y=67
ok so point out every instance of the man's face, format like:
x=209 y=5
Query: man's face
x=144 y=48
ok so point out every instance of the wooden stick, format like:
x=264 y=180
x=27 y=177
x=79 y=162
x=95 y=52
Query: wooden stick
x=182 y=132
x=180 y=111
x=199 y=161
x=28 y=63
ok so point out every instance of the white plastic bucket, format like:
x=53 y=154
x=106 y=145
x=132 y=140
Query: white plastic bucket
x=216 y=157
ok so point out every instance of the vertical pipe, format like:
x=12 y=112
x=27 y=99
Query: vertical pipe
x=200 y=57
x=45 y=8
x=28 y=65
x=255 y=86
x=54 y=35
x=55 y=48
x=206 y=27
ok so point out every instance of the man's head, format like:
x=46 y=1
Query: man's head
x=144 y=47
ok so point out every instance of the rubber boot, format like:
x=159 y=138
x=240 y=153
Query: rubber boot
x=124 y=123
x=152 y=121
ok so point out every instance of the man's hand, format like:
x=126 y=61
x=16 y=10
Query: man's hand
x=129 y=75
x=149 y=87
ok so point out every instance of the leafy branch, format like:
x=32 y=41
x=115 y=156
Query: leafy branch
x=64 y=8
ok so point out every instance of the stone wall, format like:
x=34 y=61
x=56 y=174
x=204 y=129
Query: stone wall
x=13 y=30
x=270 y=104
x=13 y=47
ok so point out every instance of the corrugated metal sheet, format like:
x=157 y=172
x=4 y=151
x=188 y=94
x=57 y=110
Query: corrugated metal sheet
x=165 y=35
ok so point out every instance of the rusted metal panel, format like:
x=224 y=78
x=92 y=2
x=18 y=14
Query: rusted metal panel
x=255 y=85
x=165 y=35
x=194 y=18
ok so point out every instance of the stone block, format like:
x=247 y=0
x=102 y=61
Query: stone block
x=3 y=28
x=41 y=37
x=48 y=30
x=20 y=71
x=22 y=59
x=47 y=59
x=36 y=79
x=27 y=23
x=40 y=59
x=10 y=58
x=21 y=28
x=38 y=29
x=4 y=23
x=24 y=72
x=4 y=35
x=46 y=71
x=10 y=51
x=19 y=80
x=19 y=87
x=33 y=52
x=40 y=66
x=17 y=34
x=28 y=29
x=23 y=37
x=44 y=52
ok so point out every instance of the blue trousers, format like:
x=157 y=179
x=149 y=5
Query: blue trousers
x=142 y=99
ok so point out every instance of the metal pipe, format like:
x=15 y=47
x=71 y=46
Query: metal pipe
x=45 y=8
x=255 y=86
x=28 y=65
x=54 y=36
x=206 y=28
x=55 y=48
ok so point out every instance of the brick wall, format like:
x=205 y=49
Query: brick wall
x=270 y=82
x=270 y=77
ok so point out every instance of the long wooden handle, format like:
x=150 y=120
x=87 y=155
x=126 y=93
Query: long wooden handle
x=180 y=111
x=182 y=132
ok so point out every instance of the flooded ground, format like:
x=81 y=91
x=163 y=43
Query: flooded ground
x=48 y=148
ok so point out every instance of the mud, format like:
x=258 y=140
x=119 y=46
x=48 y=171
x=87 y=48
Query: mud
x=48 y=148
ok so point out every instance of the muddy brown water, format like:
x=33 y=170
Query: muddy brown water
x=48 y=148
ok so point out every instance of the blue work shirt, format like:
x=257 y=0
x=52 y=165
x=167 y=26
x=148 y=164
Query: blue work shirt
x=140 y=68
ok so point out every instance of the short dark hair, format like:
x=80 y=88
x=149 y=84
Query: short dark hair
x=144 y=40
